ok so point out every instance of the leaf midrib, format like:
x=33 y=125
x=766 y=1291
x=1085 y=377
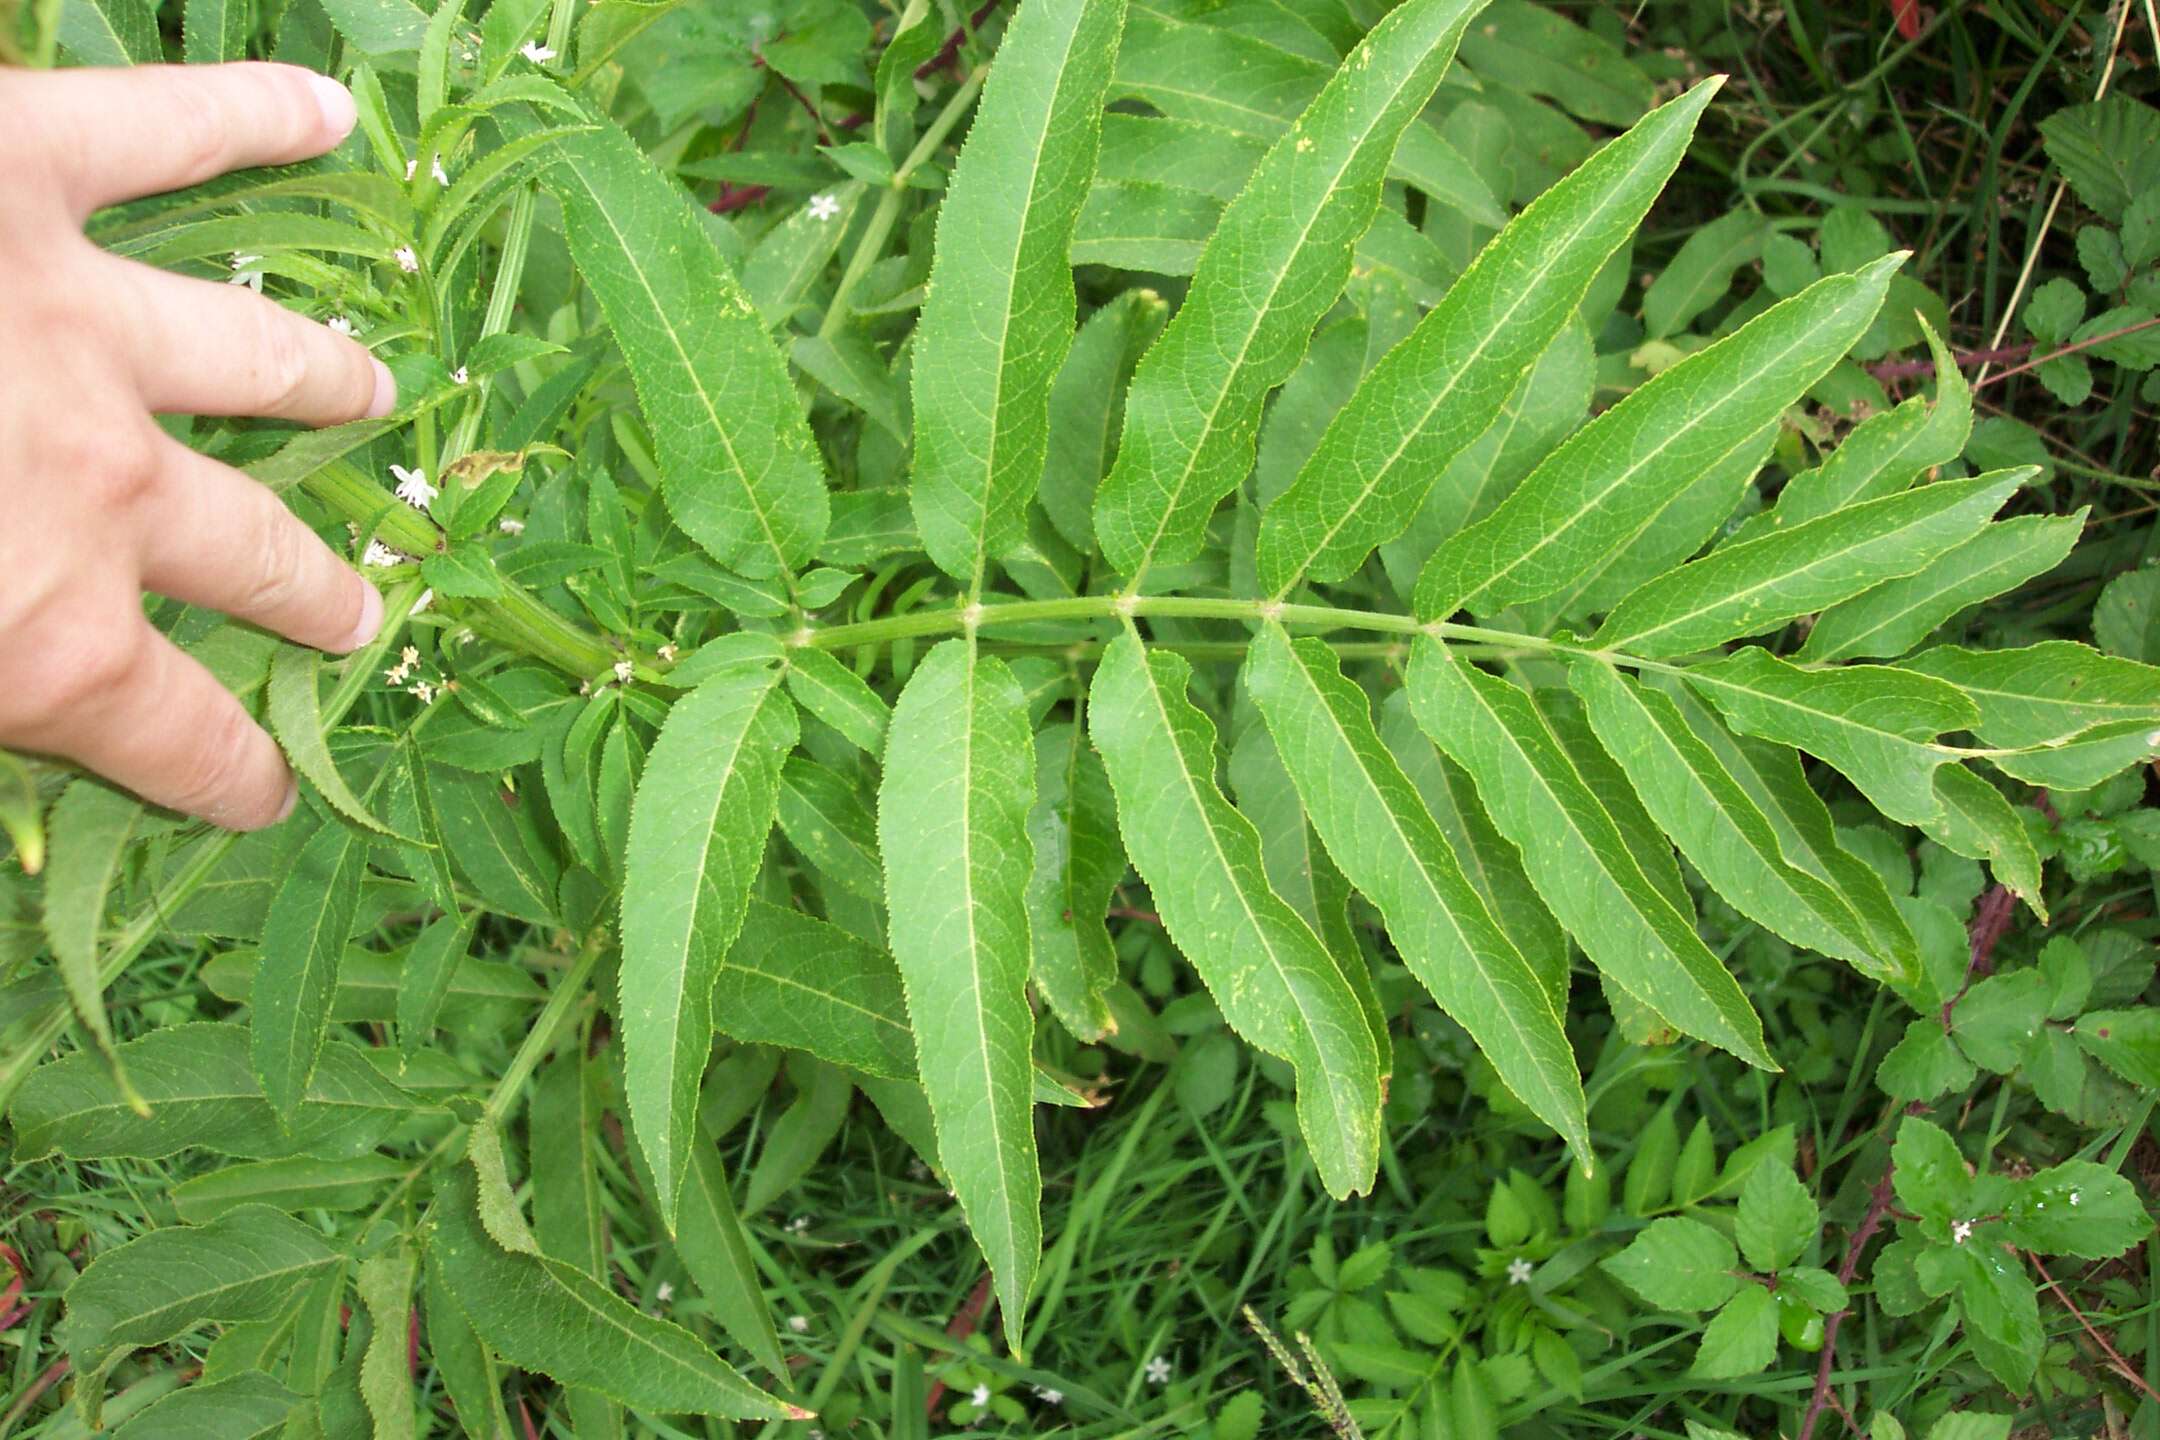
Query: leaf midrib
x=1921 y=520
x=1275 y=282
x=1438 y=903
x=1259 y=931
x=1447 y=387
x=1694 y=422
x=659 y=314
x=1650 y=898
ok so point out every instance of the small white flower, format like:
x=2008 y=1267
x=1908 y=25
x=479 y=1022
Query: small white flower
x=425 y=691
x=378 y=553
x=623 y=672
x=1049 y=1396
x=979 y=1396
x=409 y=656
x=460 y=376
x=1519 y=1271
x=340 y=324
x=427 y=598
x=1304 y=145
x=407 y=261
x=1158 y=1370
x=665 y=1293
x=412 y=167
x=251 y=278
x=465 y=636
x=510 y=525
x=1961 y=1231
x=396 y=674
x=241 y=262
x=413 y=487
x=2073 y=1197
x=824 y=207
x=536 y=52
x=666 y=653
x=800 y=1324
x=584 y=687
x=437 y=173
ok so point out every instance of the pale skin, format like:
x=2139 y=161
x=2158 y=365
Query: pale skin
x=97 y=504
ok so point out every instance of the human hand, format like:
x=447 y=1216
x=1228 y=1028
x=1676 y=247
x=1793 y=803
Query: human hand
x=96 y=503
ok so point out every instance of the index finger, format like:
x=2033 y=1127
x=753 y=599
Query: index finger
x=117 y=134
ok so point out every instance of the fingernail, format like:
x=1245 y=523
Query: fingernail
x=292 y=798
x=370 y=619
x=338 y=110
x=385 y=392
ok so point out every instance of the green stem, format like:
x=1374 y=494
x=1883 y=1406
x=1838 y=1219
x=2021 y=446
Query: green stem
x=515 y=617
x=562 y=1003
x=871 y=247
x=955 y=619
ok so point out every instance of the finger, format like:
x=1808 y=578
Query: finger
x=148 y=717
x=124 y=133
x=213 y=537
x=202 y=348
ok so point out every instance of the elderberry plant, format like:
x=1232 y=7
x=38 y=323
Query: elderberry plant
x=812 y=635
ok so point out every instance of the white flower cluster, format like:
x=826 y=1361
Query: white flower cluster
x=401 y=676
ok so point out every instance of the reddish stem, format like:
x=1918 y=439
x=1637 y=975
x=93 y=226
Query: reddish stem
x=953 y=42
x=963 y=1325
x=2122 y=1367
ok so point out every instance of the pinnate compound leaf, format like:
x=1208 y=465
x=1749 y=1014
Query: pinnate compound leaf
x=543 y=1315
x=1489 y=860
x=296 y=719
x=697 y=836
x=1612 y=479
x=297 y=1183
x=1898 y=614
x=1874 y=723
x=998 y=319
x=1436 y=392
x=1078 y=863
x=431 y=965
x=839 y=697
x=385 y=1285
x=1807 y=838
x=2054 y=699
x=1274 y=266
x=795 y=981
x=241 y=1266
x=1976 y=821
x=1275 y=982
x=1576 y=854
x=1376 y=828
x=739 y=470
x=246 y=1406
x=1697 y=801
x=952 y=822
x=202 y=1094
x=1742 y=590
x=568 y=1221
x=91 y=825
x=311 y=917
x=1678 y=1264
x=1882 y=454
